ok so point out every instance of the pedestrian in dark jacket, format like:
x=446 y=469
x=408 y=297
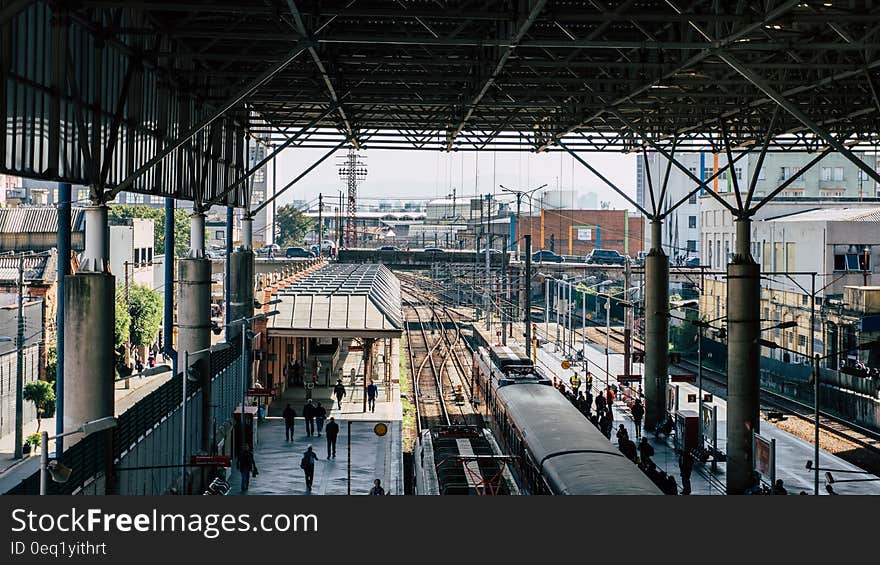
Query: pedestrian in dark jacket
x=320 y=416
x=638 y=412
x=289 y=415
x=372 y=392
x=605 y=424
x=588 y=402
x=307 y=464
x=600 y=404
x=622 y=434
x=332 y=432
x=646 y=451
x=339 y=392
x=628 y=448
x=685 y=466
x=246 y=465
x=309 y=415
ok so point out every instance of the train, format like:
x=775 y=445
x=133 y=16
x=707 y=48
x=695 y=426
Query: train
x=461 y=460
x=554 y=449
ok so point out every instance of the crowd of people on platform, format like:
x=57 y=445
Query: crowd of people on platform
x=856 y=367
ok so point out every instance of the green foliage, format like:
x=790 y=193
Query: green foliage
x=145 y=314
x=122 y=331
x=52 y=363
x=34 y=440
x=292 y=225
x=181 y=225
x=42 y=394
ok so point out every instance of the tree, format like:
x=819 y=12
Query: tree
x=42 y=394
x=145 y=313
x=122 y=331
x=181 y=225
x=52 y=363
x=292 y=225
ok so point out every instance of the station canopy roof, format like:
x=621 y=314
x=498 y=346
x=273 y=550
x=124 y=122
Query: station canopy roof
x=340 y=300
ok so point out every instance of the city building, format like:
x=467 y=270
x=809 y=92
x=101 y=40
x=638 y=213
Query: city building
x=833 y=177
x=577 y=232
x=131 y=251
x=36 y=228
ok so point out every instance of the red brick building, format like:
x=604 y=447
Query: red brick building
x=577 y=232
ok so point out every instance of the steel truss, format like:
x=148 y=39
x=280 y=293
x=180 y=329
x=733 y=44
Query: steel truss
x=161 y=97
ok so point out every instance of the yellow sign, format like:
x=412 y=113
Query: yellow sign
x=566 y=364
x=380 y=429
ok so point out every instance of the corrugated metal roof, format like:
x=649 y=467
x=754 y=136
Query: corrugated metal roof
x=341 y=297
x=855 y=214
x=37 y=219
x=36 y=267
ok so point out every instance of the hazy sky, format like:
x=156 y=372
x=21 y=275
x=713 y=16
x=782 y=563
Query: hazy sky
x=433 y=174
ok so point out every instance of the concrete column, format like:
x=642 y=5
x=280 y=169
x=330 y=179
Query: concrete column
x=656 y=328
x=89 y=313
x=194 y=313
x=241 y=291
x=743 y=358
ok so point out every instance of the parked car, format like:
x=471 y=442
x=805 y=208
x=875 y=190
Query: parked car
x=389 y=248
x=274 y=248
x=491 y=251
x=692 y=262
x=298 y=252
x=549 y=256
x=605 y=257
x=434 y=250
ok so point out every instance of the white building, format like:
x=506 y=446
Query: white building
x=131 y=251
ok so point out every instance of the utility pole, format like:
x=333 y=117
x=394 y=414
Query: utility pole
x=486 y=289
x=527 y=279
x=505 y=291
x=19 y=365
x=128 y=309
x=628 y=315
x=320 y=224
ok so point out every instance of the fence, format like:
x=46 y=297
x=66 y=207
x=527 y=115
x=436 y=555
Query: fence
x=145 y=445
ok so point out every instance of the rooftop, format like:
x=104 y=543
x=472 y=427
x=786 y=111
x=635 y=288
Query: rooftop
x=856 y=214
x=341 y=300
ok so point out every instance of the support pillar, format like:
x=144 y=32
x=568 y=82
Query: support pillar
x=656 y=328
x=194 y=313
x=241 y=277
x=89 y=313
x=63 y=269
x=743 y=358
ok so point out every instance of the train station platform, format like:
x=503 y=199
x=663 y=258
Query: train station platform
x=372 y=456
x=792 y=452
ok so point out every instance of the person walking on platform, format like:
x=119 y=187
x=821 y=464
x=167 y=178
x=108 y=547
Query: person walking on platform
x=372 y=392
x=605 y=424
x=638 y=412
x=309 y=415
x=246 y=465
x=320 y=416
x=779 y=488
x=686 y=466
x=377 y=489
x=610 y=397
x=600 y=405
x=289 y=415
x=622 y=434
x=332 y=432
x=307 y=464
x=646 y=451
x=339 y=392
x=588 y=403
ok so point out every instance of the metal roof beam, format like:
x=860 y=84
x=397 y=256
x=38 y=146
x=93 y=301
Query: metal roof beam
x=537 y=6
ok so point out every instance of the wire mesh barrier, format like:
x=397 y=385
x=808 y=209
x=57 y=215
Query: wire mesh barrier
x=145 y=446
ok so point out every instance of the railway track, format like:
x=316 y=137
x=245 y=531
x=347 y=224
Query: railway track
x=441 y=378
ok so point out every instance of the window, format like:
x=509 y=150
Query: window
x=221 y=234
x=804 y=299
x=727 y=251
x=789 y=257
x=776 y=323
x=710 y=254
x=832 y=193
x=826 y=173
x=692 y=222
x=802 y=341
x=707 y=172
x=149 y=255
x=788 y=172
x=778 y=259
x=838 y=173
x=739 y=172
x=260 y=175
x=692 y=199
x=718 y=252
x=692 y=170
x=692 y=245
x=852 y=262
x=797 y=193
x=137 y=256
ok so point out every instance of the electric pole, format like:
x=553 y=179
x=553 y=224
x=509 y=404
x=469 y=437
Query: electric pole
x=527 y=278
x=19 y=365
x=320 y=224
